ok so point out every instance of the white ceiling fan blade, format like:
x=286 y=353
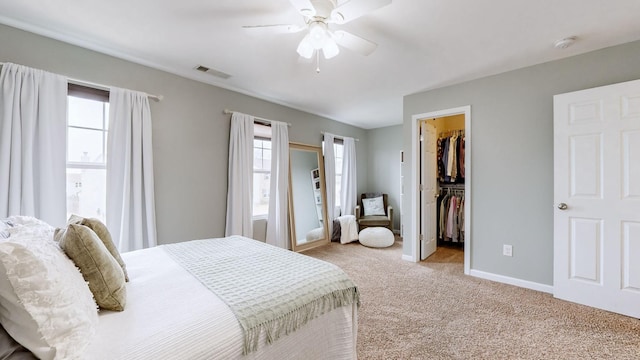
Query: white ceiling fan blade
x=304 y=7
x=353 y=9
x=353 y=42
x=274 y=28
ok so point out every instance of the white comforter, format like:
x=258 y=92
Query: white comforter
x=171 y=315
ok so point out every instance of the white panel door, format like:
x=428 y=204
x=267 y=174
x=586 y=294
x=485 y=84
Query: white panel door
x=428 y=194
x=597 y=197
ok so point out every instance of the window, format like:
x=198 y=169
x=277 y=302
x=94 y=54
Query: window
x=87 y=127
x=261 y=170
x=338 y=151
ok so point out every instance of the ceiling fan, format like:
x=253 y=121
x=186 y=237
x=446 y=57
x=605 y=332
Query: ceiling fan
x=318 y=15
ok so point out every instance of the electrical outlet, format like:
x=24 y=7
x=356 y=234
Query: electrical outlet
x=507 y=250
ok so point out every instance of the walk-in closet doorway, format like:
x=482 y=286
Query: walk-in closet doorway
x=441 y=173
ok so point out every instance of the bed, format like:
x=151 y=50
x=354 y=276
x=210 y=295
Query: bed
x=173 y=311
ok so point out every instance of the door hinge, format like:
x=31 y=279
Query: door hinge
x=421 y=237
x=421 y=187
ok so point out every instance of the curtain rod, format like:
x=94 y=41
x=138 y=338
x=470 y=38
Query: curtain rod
x=227 y=111
x=157 y=98
x=338 y=136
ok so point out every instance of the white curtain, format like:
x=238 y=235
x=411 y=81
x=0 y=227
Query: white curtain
x=131 y=216
x=240 y=181
x=277 y=230
x=330 y=178
x=33 y=133
x=348 y=196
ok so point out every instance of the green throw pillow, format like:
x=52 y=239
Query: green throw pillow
x=103 y=233
x=98 y=267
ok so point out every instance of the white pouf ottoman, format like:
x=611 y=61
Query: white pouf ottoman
x=377 y=237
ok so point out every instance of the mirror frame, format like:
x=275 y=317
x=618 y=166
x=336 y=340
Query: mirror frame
x=323 y=191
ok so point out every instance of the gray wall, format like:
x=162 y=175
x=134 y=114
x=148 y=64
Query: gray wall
x=383 y=165
x=512 y=153
x=190 y=132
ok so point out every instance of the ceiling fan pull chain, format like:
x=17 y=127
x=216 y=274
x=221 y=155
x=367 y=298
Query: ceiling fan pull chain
x=318 y=61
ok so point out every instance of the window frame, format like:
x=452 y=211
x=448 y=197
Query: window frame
x=262 y=136
x=338 y=175
x=83 y=92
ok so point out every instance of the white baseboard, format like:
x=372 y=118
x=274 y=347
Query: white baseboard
x=407 y=258
x=511 y=281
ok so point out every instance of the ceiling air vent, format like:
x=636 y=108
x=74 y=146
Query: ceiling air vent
x=213 y=72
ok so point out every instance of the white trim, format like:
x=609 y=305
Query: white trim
x=407 y=258
x=414 y=182
x=90 y=166
x=512 y=281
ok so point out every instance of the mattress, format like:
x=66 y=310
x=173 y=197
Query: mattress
x=170 y=315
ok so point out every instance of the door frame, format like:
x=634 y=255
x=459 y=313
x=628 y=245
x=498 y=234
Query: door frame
x=414 y=236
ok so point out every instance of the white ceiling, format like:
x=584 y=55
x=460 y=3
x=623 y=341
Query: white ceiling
x=422 y=44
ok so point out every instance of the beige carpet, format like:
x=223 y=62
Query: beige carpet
x=432 y=310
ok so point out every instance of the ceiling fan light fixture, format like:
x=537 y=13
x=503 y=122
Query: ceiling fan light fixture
x=318 y=34
x=305 y=49
x=330 y=49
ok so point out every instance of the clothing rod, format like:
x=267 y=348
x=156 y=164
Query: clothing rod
x=451 y=186
x=227 y=111
x=338 y=136
x=100 y=86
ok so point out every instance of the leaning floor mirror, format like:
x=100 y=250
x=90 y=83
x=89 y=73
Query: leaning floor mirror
x=307 y=197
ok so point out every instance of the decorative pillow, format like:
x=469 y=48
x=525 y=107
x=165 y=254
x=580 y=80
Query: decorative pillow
x=11 y=350
x=97 y=266
x=373 y=206
x=103 y=233
x=45 y=304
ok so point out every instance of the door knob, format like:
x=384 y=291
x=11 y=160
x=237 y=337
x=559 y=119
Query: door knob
x=563 y=206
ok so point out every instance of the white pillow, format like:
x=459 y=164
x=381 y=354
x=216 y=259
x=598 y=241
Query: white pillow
x=373 y=206
x=45 y=304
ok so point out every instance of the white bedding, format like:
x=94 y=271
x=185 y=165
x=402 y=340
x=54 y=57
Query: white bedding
x=171 y=315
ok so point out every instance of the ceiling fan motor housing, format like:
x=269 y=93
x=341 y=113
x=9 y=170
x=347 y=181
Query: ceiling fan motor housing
x=323 y=9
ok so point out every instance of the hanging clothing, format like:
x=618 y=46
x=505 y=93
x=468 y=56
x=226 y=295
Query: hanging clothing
x=445 y=160
x=452 y=166
x=450 y=158
x=439 y=155
x=461 y=158
x=461 y=219
x=450 y=216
